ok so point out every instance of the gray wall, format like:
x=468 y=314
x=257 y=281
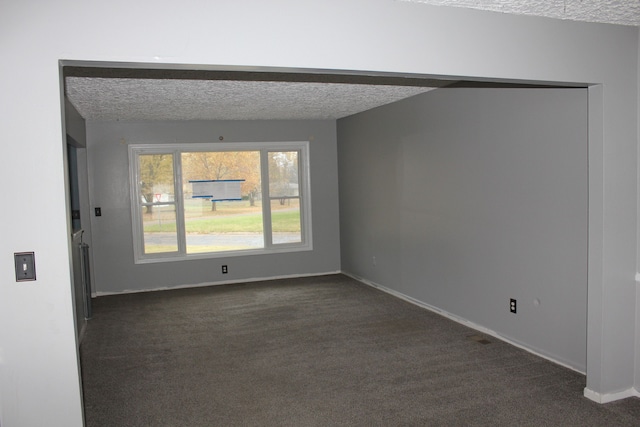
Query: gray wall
x=75 y=125
x=469 y=197
x=112 y=242
x=76 y=128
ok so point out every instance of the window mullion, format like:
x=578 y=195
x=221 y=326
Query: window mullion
x=179 y=203
x=266 y=198
x=302 y=196
x=134 y=171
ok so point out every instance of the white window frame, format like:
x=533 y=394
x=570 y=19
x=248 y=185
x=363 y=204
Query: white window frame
x=177 y=149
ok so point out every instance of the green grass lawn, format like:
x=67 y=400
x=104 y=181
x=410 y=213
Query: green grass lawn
x=155 y=249
x=284 y=221
x=199 y=208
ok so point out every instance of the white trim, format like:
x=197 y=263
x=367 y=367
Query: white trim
x=610 y=397
x=175 y=150
x=460 y=320
x=284 y=248
x=637 y=278
x=225 y=282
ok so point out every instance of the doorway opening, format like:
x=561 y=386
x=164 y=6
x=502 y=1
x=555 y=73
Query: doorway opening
x=125 y=73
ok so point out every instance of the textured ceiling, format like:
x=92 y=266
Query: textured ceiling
x=623 y=12
x=173 y=99
x=121 y=94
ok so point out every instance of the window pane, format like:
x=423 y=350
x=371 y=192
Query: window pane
x=284 y=194
x=159 y=229
x=156 y=178
x=157 y=203
x=219 y=206
x=214 y=225
x=283 y=173
x=285 y=221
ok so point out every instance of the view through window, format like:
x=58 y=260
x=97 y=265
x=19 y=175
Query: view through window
x=217 y=199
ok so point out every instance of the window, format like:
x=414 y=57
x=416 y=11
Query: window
x=210 y=200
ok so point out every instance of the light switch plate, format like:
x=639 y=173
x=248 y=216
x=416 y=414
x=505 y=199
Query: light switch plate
x=25 y=266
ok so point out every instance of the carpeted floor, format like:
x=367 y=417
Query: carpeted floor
x=319 y=351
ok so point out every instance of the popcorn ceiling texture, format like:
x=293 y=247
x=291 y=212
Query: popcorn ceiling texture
x=623 y=12
x=169 y=99
x=173 y=99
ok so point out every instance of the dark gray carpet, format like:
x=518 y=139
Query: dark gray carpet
x=321 y=351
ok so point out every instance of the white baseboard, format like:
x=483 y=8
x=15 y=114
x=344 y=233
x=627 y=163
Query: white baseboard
x=610 y=397
x=461 y=320
x=225 y=282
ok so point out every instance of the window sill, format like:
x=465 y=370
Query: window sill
x=227 y=254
